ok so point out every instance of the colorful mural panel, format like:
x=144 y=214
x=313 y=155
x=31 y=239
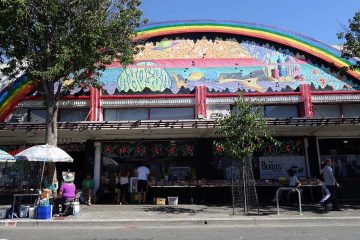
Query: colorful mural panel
x=223 y=66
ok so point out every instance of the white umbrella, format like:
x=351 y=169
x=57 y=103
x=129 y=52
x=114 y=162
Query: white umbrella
x=109 y=161
x=44 y=153
x=5 y=157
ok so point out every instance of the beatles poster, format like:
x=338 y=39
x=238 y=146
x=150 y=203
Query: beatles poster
x=277 y=166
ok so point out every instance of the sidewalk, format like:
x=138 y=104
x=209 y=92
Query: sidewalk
x=152 y=215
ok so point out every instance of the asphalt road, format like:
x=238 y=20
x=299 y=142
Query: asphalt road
x=189 y=233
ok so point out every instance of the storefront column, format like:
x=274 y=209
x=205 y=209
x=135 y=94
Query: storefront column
x=200 y=101
x=97 y=162
x=95 y=105
x=306 y=101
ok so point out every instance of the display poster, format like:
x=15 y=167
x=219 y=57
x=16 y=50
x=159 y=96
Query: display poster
x=179 y=173
x=277 y=166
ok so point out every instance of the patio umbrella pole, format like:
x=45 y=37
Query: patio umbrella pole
x=42 y=174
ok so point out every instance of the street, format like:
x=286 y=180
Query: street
x=202 y=232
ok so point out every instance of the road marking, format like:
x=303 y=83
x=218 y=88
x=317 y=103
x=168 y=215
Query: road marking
x=7 y=224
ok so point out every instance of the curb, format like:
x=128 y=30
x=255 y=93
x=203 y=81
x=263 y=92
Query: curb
x=186 y=222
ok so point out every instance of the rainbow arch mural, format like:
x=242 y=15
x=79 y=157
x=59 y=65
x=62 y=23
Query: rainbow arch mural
x=158 y=70
x=264 y=32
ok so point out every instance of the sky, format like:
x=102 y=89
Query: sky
x=318 y=19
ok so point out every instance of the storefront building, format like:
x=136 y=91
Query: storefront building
x=162 y=109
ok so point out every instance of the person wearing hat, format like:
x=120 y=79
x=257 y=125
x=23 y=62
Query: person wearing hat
x=68 y=189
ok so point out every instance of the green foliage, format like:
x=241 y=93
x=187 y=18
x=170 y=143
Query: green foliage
x=61 y=39
x=351 y=36
x=245 y=130
x=63 y=44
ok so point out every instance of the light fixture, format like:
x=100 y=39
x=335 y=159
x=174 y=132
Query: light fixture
x=346 y=141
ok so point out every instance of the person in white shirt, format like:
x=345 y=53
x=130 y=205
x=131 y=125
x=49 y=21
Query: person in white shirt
x=142 y=173
x=293 y=182
x=331 y=184
x=122 y=187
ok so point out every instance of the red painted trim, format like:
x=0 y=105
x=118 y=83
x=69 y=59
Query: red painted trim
x=210 y=95
x=200 y=100
x=62 y=98
x=148 y=96
x=306 y=101
x=334 y=92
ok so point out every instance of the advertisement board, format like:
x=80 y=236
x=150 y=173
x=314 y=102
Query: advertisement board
x=277 y=166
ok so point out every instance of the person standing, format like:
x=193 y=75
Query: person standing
x=88 y=185
x=124 y=186
x=143 y=173
x=331 y=184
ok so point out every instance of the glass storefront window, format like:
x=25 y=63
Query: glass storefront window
x=345 y=154
x=38 y=115
x=281 y=111
x=171 y=113
x=132 y=114
x=73 y=115
x=351 y=110
x=324 y=111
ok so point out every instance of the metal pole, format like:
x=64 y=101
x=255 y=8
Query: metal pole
x=244 y=184
x=232 y=189
x=277 y=201
x=299 y=194
x=42 y=175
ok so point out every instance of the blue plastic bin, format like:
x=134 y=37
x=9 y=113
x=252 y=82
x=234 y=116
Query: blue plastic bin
x=43 y=212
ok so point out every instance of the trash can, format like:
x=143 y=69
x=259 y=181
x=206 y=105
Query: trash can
x=3 y=212
x=32 y=212
x=24 y=211
x=173 y=200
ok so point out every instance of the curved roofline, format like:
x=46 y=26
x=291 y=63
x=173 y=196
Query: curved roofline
x=265 y=32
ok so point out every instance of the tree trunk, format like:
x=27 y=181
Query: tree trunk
x=51 y=123
x=52 y=107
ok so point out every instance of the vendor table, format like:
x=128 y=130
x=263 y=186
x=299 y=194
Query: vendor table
x=16 y=195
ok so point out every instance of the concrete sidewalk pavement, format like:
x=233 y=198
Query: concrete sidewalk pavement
x=190 y=215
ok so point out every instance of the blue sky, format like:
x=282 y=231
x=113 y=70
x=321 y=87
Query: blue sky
x=319 y=19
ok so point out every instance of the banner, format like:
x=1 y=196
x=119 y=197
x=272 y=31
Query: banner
x=277 y=166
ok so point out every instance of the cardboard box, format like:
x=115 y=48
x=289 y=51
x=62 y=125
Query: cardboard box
x=160 y=201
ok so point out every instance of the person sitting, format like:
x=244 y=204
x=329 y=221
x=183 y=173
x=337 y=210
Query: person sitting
x=293 y=182
x=67 y=193
x=68 y=189
x=50 y=186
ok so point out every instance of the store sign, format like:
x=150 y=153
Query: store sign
x=277 y=166
x=154 y=150
x=283 y=147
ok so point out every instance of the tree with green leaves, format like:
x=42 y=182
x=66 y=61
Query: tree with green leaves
x=65 y=44
x=351 y=36
x=243 y=132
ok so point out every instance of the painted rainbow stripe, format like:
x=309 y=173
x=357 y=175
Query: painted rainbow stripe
x=269 y=33
x=11 y=95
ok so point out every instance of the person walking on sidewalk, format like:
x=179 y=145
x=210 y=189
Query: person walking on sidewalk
x=331 y=184
x=88 y=185
x=143 y=173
